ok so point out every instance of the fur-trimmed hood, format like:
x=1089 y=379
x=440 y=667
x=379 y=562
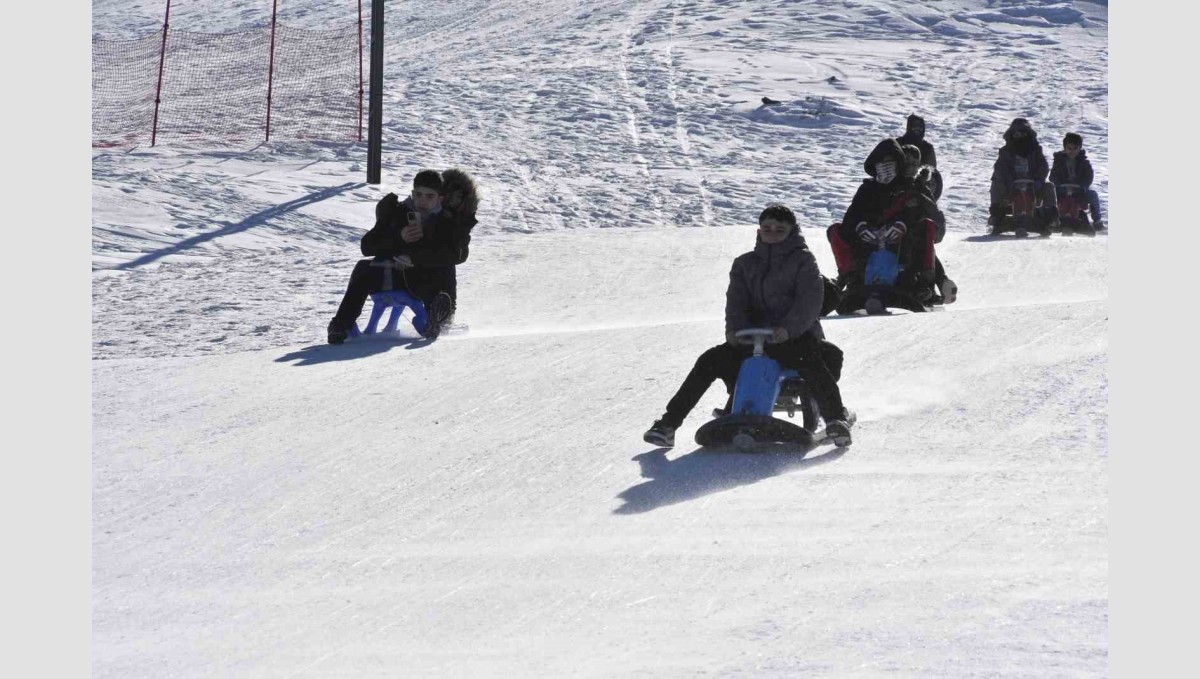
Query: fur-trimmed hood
x=453 y=181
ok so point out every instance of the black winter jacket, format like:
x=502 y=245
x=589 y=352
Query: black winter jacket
x=1017 y=161
x=444 y=242
x=776 y=285
x=904 y=200
x=928 y=156
x=1065 y=172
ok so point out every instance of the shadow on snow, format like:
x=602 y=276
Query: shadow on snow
x=250 y=222
x=353 y=349
x=702 y=472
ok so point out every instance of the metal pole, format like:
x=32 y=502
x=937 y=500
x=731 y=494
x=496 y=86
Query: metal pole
x=162 y=55
x=375 y=112
x=271 y=67
x=360 y=71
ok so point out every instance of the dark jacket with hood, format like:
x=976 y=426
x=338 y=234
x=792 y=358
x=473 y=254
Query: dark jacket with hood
x=776 y=285
x=446 y=235
x=904 y=199
x=1078 y=172
x=917 y=139
x=445 y=239
x=1021 y=159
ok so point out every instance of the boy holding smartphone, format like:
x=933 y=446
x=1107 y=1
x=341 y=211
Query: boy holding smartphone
x=415 y=246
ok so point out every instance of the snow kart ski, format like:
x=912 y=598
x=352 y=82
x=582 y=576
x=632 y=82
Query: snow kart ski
x=763 y=388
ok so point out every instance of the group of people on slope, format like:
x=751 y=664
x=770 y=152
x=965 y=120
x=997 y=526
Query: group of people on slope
x=1022 y=159
x=416 y=244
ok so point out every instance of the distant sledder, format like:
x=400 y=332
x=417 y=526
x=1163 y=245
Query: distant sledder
x=884 y=245
x=1072 y=175
x=764 y=387
x=1021 y=199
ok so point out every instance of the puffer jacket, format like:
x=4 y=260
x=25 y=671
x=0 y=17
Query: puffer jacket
x=1021 y=160
x=1065 y=172
x=460 y=198
x=776 y=285
x=442 y=244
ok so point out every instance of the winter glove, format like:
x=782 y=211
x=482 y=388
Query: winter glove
x=866 y=234
x=779 y=334
x=386 y=207
x=402 y=262
x=730 y=337
x=893 y=233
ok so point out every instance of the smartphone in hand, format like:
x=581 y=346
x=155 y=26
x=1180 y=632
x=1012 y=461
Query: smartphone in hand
x=413 y=231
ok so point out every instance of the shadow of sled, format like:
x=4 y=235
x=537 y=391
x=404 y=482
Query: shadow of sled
x=707 y=470
x=361 y=348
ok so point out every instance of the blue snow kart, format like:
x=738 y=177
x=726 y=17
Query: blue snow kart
x=882 y=289
x=763 y=388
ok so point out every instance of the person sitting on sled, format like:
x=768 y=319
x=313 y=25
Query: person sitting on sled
x=925 y=177
x=414 y=246
x=1071 y=166
x=777 y=285
x=1021 y=158
x=889 y=210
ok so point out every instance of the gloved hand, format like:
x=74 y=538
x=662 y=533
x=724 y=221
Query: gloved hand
x=779 y=334
x=866 y=234
x=730 y=337
x=386 y=207
x=893 y=233
x=402 y=262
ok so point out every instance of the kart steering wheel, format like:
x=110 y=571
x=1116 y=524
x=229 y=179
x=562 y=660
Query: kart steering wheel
x=756 y=336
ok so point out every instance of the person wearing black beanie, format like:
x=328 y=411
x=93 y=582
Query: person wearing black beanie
x=914 y=134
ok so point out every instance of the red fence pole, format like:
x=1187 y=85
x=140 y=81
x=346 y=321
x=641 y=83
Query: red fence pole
x=271 y=67
x=162 y=55
x=360 y=70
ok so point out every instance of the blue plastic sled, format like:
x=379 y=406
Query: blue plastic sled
x=396 y=300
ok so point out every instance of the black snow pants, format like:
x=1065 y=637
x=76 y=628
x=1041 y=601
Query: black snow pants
x=818 y=362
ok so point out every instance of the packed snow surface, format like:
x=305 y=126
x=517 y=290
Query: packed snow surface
x=265 y=505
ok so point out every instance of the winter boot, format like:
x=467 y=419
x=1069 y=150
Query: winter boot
x=660 y=434
x=838 y=432
x=336 y=333
x=439 y=312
